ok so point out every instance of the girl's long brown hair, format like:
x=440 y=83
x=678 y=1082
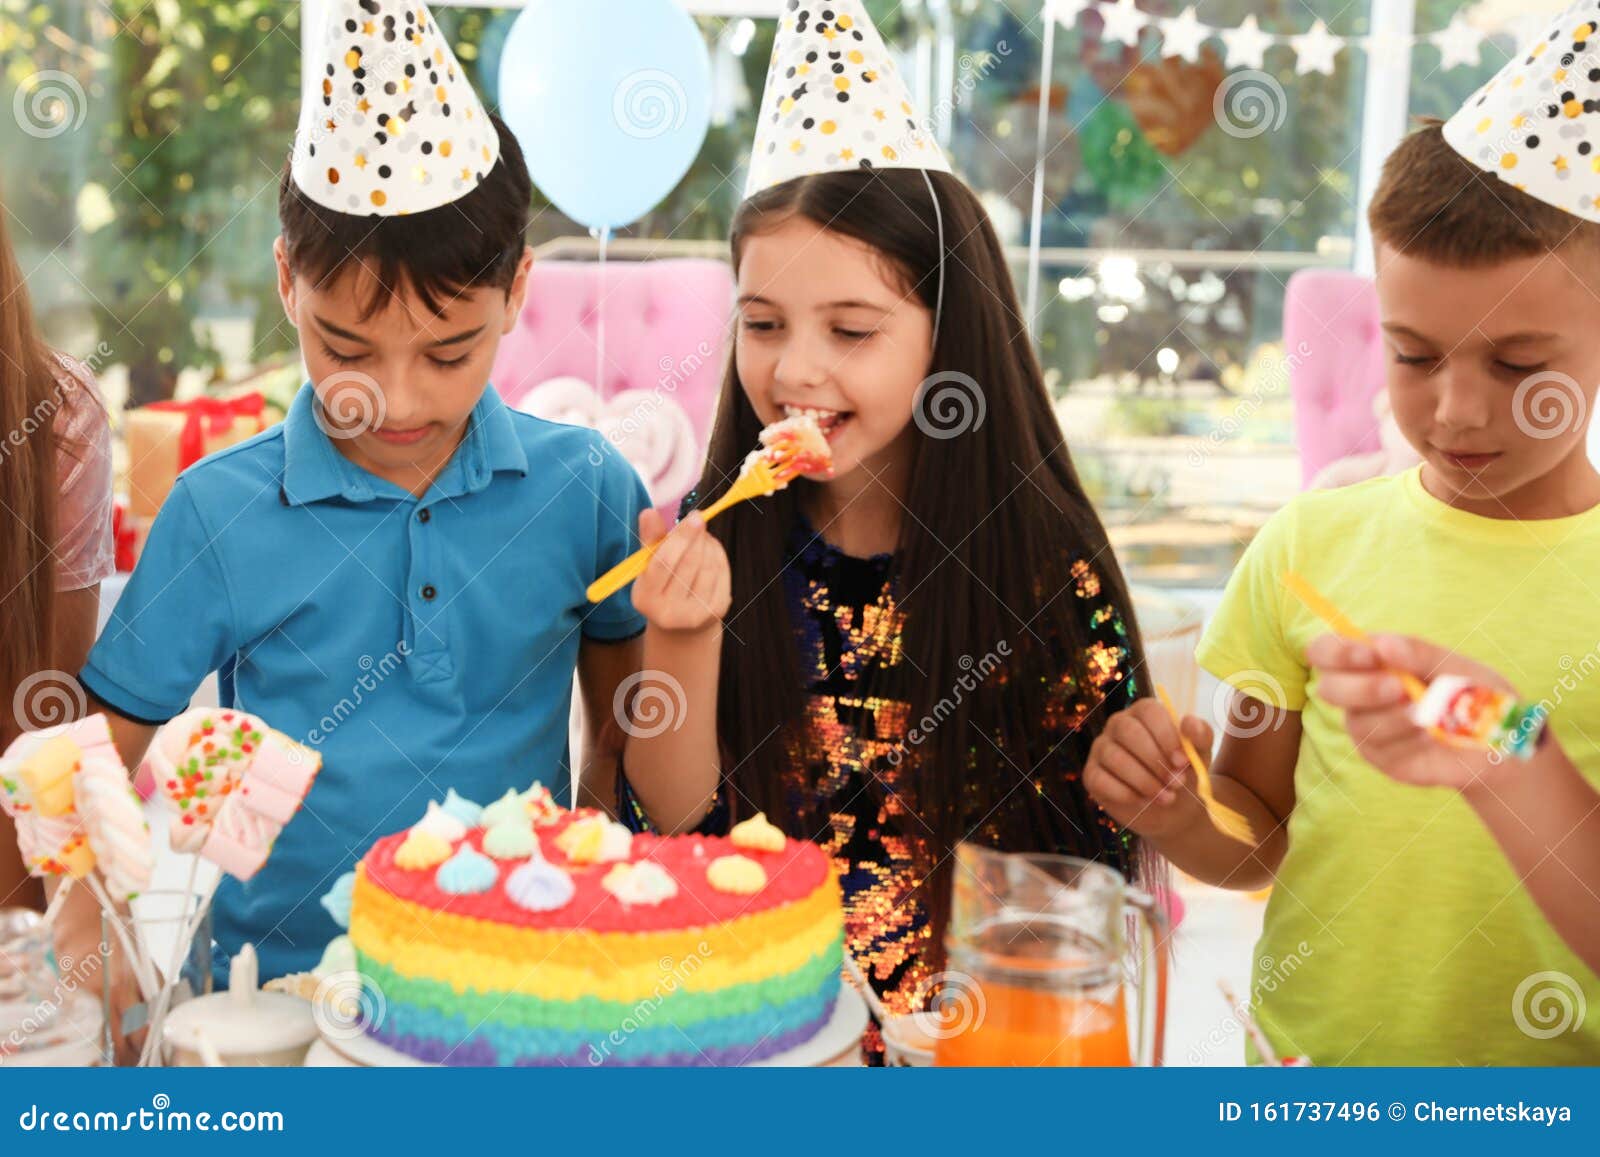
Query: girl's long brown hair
x=998 y=516
x=29 y=401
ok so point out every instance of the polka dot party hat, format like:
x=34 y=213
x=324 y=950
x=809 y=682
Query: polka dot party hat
x=834 y=100
x=1536 y=125
x=390 y=124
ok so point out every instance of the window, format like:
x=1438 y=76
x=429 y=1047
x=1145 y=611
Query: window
x=141 y=171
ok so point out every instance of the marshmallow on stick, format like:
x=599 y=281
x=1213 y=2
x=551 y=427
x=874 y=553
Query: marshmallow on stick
x=268 y=794
x=196 y=759
x=113 y=821
x=37 y=777
x=37 y=769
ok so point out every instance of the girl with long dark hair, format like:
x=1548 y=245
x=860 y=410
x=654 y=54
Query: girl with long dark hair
x=920 y=649
x=55 y=535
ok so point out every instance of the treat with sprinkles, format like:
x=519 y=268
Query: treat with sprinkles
x=1456 y=710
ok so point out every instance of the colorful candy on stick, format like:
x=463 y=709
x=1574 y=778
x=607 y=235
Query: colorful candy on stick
x=275 y=782
x=266 y=796
x=68 y=793
x=1455 y=710
x=37 y=782
x=1459 y=711
x=113 y=820
x=57 y=846
x=235 y=783
x=37 y=769
x=44 y=778
x=789 y=449
x=196 y=759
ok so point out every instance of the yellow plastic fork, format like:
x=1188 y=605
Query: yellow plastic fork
x=1340 y=624
x=1229 y=822
x=756 y=482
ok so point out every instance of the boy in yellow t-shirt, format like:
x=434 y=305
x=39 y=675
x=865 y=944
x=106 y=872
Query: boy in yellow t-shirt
x=1397 y=933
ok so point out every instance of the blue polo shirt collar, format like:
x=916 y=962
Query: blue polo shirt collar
x=314 y=470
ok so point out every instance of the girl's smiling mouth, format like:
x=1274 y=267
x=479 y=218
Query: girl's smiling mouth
x=830 y=422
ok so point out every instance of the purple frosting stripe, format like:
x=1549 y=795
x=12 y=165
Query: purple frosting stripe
x=477 y=1053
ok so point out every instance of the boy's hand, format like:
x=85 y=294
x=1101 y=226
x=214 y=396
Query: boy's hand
x=1361 y=679
x=688 y=586
x=1139 y=774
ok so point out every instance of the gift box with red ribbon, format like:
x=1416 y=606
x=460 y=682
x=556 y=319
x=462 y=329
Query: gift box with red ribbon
x=166 y=438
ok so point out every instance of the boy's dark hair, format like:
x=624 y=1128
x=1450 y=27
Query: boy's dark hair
x=474 y=242
x=1433 y=203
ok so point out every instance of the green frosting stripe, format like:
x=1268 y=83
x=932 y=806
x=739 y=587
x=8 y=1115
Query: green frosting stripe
x=670 y=1004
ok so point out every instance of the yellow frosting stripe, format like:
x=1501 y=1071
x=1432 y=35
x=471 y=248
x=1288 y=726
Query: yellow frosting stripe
x=468 y=953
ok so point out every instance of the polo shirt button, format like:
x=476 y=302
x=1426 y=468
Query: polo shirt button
x=424 y=514
x=428 y=592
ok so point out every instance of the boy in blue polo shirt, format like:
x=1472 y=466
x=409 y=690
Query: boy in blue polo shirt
x=396 y=574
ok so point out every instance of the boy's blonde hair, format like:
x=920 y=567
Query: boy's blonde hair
x=1433 y=203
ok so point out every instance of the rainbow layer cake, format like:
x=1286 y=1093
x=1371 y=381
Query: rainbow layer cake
x=523 y=934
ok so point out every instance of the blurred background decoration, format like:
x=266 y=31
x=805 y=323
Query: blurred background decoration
x=142 y=155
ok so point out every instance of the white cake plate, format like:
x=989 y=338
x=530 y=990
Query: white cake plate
x=322 y=1055
x=837 y=1044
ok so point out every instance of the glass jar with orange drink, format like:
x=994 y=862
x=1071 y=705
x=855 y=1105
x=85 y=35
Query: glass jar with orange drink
x=1042 y=965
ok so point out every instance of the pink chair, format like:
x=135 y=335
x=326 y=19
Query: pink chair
x=666 y=327
x=1336 y=359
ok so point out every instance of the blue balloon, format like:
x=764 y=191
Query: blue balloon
x=610 y=101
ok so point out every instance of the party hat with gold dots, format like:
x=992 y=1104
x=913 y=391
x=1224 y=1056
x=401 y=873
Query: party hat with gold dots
x=390 y=125
x=1536 y=125
x=834 y=100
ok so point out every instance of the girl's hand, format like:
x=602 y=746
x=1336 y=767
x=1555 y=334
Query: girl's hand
x=688 y=586
x=1139 y=774
x=1361 y=679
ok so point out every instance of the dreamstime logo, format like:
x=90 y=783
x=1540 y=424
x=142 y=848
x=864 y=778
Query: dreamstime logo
x=345 y=1004
x=1276 y=373
x=49 y=103
x=1547 y=1004
x=971 y=69
x=347 y=110
x=48 y=698
x=1574 y=673
x=641 y=417
x=349 y=404
x=371 y=678
x=649 y=703
x=1248 y=704
x=965 y=684
x=1271 y=973
x=1500 y=154
x=43 y=414
x=1250 y=103
x=648 y=103
x=44 y=1019
x=675 y=975
x=1547 y=405
x=958 y=1004
x=948 y=404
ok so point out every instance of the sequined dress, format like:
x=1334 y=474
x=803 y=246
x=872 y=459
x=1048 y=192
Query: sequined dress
x=848 y=627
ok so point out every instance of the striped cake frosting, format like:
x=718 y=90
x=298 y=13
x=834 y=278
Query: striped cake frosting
x=584 y=946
